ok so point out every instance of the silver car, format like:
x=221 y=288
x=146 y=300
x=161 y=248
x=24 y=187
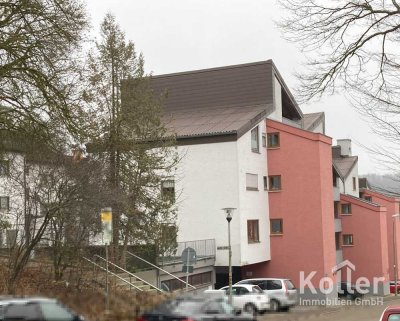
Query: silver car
x=282 y=292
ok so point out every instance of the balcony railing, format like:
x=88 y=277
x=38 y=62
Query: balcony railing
x=204 y=249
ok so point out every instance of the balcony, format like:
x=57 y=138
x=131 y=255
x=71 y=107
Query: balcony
x=339 y=256
x=338 y=225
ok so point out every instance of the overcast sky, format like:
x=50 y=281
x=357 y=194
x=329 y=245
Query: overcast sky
x=180 y=35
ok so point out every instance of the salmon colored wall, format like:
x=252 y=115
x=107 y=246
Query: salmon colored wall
x=305 y=204
x=392 y=206
x=369 y=253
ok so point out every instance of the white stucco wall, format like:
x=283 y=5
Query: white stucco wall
x=347 y=187
x=253 y=204
x=213 y=176
x=206 y=182
x=277 y=113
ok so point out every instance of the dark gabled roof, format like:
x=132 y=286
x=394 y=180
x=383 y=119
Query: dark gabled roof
x=312 y=120
x=213 y=121
x=220 y=101
x=344 y=165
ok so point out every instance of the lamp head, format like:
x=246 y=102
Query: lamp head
x=229 y=211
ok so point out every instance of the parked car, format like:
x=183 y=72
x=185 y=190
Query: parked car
x=248 y=298
x=195 y=308
x=38 y=309
x=348 y=290
x=393 y=286
x=282 y=293
x=391 y=313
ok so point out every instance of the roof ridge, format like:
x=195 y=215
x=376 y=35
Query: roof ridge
x=269 y=61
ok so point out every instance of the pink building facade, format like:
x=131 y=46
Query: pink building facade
x=364 y=240
x=303 y=206
x=392 y=208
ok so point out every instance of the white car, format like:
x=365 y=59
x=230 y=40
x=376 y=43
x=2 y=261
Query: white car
x=248 y=298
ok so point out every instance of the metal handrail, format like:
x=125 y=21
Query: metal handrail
x=160 y=269
x=116 y=275
x=130 y=273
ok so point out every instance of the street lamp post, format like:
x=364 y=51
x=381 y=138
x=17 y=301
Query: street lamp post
x=228 y=211
x=395 y=268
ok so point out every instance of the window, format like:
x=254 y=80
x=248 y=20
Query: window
x=368 y=198
x=273 y=140
x=354 y=183
x=274 y=182
x=337 y=241
x=4 y=167
x=11 y=238
x=4 y=203
x=264 y=140
x=346 y=208
x=274 y=285
x=276 y=226
x=168 y=190
x=348 y=239
x=265 y=180
x=252 y=231
x=255 y=140
x=252 y=182
x=336 y=209
x=334 y=179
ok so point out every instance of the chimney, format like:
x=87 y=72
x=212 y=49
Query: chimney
x=345 y=147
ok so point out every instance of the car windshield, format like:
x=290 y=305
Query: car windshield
x=55 y=312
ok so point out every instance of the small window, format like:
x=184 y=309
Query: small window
x=354 y=183
x=168 y=190
x=336 y=209
x=11 y=236
x=368 y=198
x=334 y=178
x=4 y=167
x=265 y=180
x=274 y=182
x=252 y=182
x=4 y=203
x=264 y=140
x=252 y=231
x=348 y=239
x=255 y=145
x=273 y=140
x=276 y=226
x=346 y=208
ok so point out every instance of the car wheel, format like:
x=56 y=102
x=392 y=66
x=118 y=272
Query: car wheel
x=250 y=308
x=274 y=306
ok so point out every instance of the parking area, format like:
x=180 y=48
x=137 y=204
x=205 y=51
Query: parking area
x=365 y=312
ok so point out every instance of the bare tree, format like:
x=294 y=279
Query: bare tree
x=51 y=202
x=349 y=44
x=352 y=46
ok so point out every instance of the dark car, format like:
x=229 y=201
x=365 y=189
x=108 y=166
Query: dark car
x=36 y=309
x=348 y=290
x=195 y=309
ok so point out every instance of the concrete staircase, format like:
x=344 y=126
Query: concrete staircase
x=127 y=282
